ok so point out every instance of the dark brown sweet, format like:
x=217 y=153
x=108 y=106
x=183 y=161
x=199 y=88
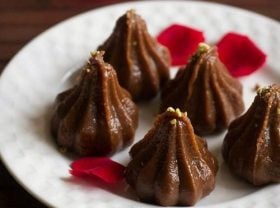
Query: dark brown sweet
x=171 y=165
x=142 y=64
x=97 y=116
x=251 y=147
x=205 y=89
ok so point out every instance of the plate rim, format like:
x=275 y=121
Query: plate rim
x=5 y=163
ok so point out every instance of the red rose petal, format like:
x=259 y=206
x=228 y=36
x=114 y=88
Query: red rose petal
x=240 y=54
x=181 y=41
x=102 y=168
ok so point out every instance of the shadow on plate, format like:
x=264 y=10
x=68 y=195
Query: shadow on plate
x=120 y=189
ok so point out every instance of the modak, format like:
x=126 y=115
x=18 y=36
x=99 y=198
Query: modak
x=141 y=63
x=171 y=165
x=251 y=147
x=205 y=89
x=96 y=116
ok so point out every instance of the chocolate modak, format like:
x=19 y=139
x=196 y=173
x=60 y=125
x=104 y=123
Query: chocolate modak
x=141 y=63
x=205 y=89
x=96 y=116
x=251 y=147
x=171 y=165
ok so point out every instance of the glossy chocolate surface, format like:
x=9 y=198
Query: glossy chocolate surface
x=171 y=165
x=205 y=89
x=141 y=63
x=96 y=116
x=251 y=147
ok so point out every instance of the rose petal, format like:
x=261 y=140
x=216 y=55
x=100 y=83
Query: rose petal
x=181 y=41
x=102 y=168
x=240 y=54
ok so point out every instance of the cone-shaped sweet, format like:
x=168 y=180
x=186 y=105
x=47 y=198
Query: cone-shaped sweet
x=141 y=63
x=171 y=165
x=205 y=89
x=251 y=147
x=97 y=116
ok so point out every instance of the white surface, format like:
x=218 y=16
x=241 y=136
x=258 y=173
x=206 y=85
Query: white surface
x=40 y=70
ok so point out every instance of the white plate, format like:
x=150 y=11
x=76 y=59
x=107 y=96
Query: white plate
x=41 y=69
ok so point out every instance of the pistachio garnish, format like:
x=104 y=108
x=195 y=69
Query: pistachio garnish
x=263 y=90
x=178 y=112
x=203 y=47
x=170 y=109
x=173 y=121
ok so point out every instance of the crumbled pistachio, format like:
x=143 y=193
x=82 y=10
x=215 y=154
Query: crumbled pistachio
x=173 y=121
x=93 y=53
x=179 y=113
x=170 y=109
x=203 y=47
x=278 y=111
x=263 y=90
x=97 y=53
